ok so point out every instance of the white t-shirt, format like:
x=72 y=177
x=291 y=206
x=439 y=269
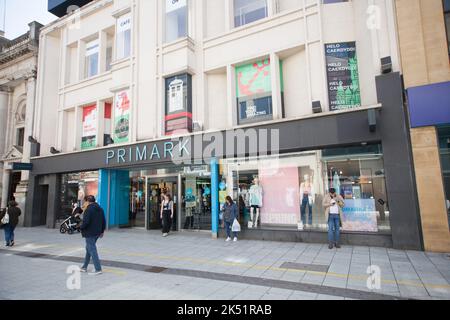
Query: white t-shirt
x=334 y=209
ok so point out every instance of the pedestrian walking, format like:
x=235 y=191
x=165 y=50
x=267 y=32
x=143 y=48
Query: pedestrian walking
x=230 y=216
x=9 y=220
x=92 y=229
x=166 y=214
x=333 y=204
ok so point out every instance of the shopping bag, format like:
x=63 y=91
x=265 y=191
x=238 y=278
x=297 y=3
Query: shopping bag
x=236 y=226
x=5 y=219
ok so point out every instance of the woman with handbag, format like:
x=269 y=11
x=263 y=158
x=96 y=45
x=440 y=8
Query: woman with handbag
x=333 y=204
x=167 y=213
x=230 y=215
x=10 y=220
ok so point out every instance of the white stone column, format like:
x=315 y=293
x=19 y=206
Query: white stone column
x=276 y=86
x=22 y=189
x=4 y=105
x=29 y=122
x=5 y=189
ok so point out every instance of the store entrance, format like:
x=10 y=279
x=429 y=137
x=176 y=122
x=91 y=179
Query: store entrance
x=196 y=202
x=156 y=188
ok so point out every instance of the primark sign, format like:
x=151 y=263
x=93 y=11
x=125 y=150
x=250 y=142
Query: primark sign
x=198 y=149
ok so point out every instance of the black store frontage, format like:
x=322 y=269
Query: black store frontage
x=369 y=162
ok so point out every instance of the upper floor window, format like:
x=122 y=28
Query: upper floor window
x=20 y=137
x=447 y=21
x=123 y=37
x=247 y=11
x=92 y=56
x=176 y=19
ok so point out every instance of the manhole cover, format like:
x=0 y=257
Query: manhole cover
x=156 y=270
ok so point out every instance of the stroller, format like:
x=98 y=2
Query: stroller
x=72 y=223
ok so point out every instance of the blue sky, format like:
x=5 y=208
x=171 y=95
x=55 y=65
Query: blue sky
x=19 y=13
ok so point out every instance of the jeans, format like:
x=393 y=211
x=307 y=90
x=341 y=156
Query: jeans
x=91 y=252
x=9 y=233
x=228 y=227
x=334 y=229
x=305 y=202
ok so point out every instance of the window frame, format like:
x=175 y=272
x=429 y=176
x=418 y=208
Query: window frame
x=124 y=54
x=165 y=35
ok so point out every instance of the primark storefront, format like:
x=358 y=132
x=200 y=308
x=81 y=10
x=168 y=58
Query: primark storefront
x=278 y=172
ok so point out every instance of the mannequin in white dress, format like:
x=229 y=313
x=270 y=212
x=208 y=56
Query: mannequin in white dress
x=256 y=201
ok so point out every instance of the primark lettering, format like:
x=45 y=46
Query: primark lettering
x=199 y=147
x=168 y=151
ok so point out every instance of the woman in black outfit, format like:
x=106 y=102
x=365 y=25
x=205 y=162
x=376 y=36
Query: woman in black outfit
x=14 y=213
x=166 y=214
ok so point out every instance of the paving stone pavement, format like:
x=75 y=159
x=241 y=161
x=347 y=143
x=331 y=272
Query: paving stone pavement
x=141 y=265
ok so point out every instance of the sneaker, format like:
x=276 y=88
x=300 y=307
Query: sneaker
x=95 y=273
x=337 y=246
x=7 y=245
x=330 y=246
x=83 y=270
x=11 y=244
x=165 y=235
x=235 y=239
x=228 y=240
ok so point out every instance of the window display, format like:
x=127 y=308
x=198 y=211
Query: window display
x=289 y=192
x=256 y=201
x=75 y=187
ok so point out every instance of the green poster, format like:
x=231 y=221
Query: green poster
x=343 y=76
x=253 y=79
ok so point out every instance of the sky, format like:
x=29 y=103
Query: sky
x=19 y=13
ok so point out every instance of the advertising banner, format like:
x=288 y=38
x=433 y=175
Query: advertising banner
x=122 y=117
x=178 y=104
x=254 y=91
x=190 y=192
x=360 y=215
x=343 y=76
x=89 y=134
x=283 y=205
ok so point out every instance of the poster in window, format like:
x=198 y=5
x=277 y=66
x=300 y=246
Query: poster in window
x=360 y=215
x=178 y=104
x=89 y=133
x=176 y=96
x=254 y=91
x=281 y=204
x=122 y=117
x=343 y=76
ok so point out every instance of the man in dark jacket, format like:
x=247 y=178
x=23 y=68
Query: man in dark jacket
x=14 y=213
x=93 y=228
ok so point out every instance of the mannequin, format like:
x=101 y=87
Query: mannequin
x=81 y=195
x=256 y=201
x=307 y=199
